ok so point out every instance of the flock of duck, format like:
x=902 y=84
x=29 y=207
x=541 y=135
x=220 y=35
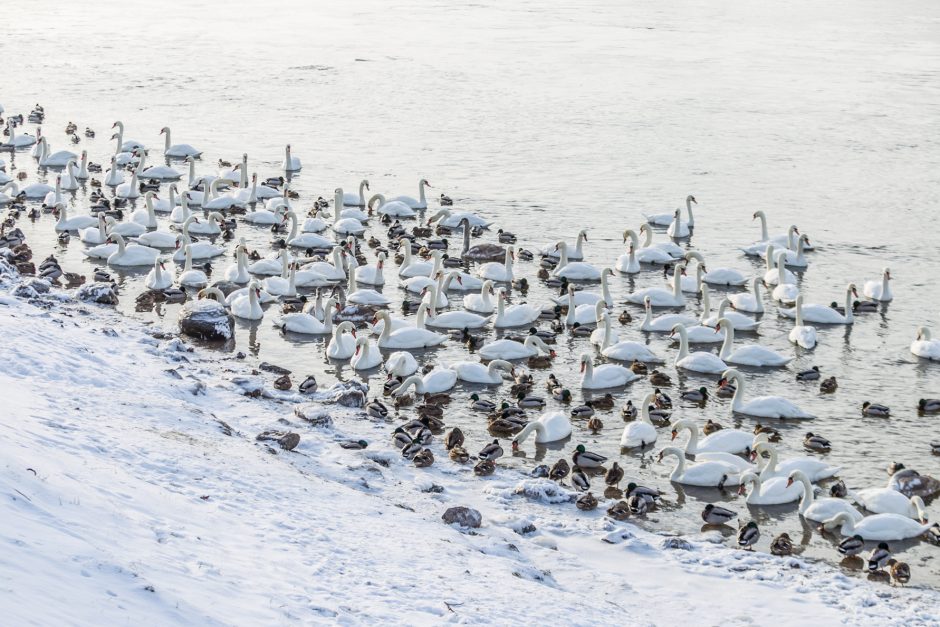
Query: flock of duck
x=316 y=280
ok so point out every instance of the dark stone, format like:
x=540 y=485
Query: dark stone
x=289 y=441
x=206 y=320
x=463 y=516
x=101 y=293
x=272 y=368
x=283 y=383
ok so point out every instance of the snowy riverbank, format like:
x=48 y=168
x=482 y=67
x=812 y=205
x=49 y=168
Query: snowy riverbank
x=134 y=490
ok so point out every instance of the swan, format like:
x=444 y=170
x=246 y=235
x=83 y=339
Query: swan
x=456 y=320
x=209 y=227
x=762 y=406
x=511 y=349
x=21 y=140
x=82 y=173
x=333 y=271
x=627 y=263
x=247 y=195
x=200 y=250
x=190 y=277
x=170 y=203
x=604 y=376
x=180 y=214
x=133 y=255
x=64 y=223
x=102 y=251
x=158 y=278
x=145 y=216
x=663 y=323
x=801 y=334
x=363 y=296
x=372 y=275
x=438 y=380
x=879 y=527
x=411 y=268
x=787 y=240
x=393 y=208
x=500 y=272
x=574 y=270
x=749 y=302
x=126 y=229
x=583 y=314
x=677 y=228
x=130 y=189
x=822 y=509
x=776 y=273
x=750 y=355
x=705 y=474
x=402 y=364
x=514 y=315
x=53 y=197
x=665 y=219
x=660 y=297
x=551 y=426
x=480 y=303
x=291 y=164
x=304 y=240
x=627 y=351
x=576 y=254
x=248 y=305
x=584 y=297
x=341 y=225
x=39 y=190
x=689 y=283
x=367 y=355
x=356 y=200
x=796 y=258
x=475 y=372
x=740 y=322
x=238 y=174
x=824 y=314
x=605 y=329
x=452 y=219
x=49 y=159
x=879 y=290
x=723 y=441
x=316 y=224
x=69 y=181
x=773 y=491
x=718 y=276
x=648 y=254
x=286 y=283
x=126 y=145
x=213 y=200
x=698 y=361
x=641 y=432
x=889 y=501
x=307 y=323
x=8 y=198
x=342 y=345
x=159 y=172
x=177 y=150
x=420 y=203
x=408 y=337
x=924 y=346
x=95 y=234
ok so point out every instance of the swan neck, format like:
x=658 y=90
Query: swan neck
x=728 y=341
x=848 y=306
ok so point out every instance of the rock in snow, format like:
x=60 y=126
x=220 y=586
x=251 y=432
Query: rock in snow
x=463 y=516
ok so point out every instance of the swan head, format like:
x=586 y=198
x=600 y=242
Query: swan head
x=758 y=214
x=585 y=360
x=730 y=373
x=165 y=129
x=851 y=288
x=747 y=478
x=887 y=274
x=691 y=198
x=421 y=183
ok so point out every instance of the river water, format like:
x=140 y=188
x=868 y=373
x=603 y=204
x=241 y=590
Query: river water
x=551 y=118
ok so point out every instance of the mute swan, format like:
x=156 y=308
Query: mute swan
x=402 y=364
x=802 y=334
x=129 y=144
x=647 y=254
x=660 y=297
x=372 y=275
x=776 y=273
x=787 y=240
x=751 y=355
x=879 y=527
x=698 y=361
x=438 y=380
x=160 y=172
x=605 y=329
x=705 y=474
x=924 y=346
x=514 y=315
x=39 y=190
x=177 y=150
x=304 y=240
x=409 y=337
x=190 y=277
x=342 y=345
x=583 y=314
x=475 y=372
x=356 y=200
x=740 y=322
x=819 y=510
x=797 y=259
x=129 y=189
x=665 y=219
x=691 y=284
x=679 y=229
x=363 y=296
x=457 y=320
x=761 y=406
x=133 y=255
x=574 y=270
x=814 y=469
x=127 y=229
x=286 y=283
x=889 y=501
x=21 y=140
x=49 y=159
x=237 y=174
x=627 y=351
x=82 y=173
x=200 y=250
x=263 y=217
x=641 y=432
x=718 y=276
x=879 y=290
x=209 y=227
x=53 y=197
x=511 y=349
x=145 y=215
x=418 y=285
x=551 y=426
x=823 y=314
x=584 y=297
x=291 y=164
x=500 y=272
x=421 y=203
x=95 y=234
x=316 y=224
x=411 y=268
x=749 y=302
x=158 y=278
x=604 y=376
x=394 y=208
x=331 y=270
x=452 y=219
x=663 y=323
x=773 y=491
x=723 y=441
x=68 y=178
x=180 y=214
x=367 y=355
x=575 y=254
x=64 y=223
x=170 y=203
x=480 y=303
x=307 y=323
x=344 y=225
x=8 y=198
x=627 y=263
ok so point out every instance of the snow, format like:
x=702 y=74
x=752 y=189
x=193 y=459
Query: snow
x=134 y=490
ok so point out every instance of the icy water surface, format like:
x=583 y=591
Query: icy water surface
x=551 y=118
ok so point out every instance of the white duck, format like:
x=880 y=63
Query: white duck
x=291 y=163
x=513 y=315
x=751 y=355
x=660 y=297
x=663 y=323
x=705 y=474
x=132 y=255
x=158 y=278
x=665 y=219
x=475 y=372
x=824 y=314
x=367 y=355
x=604 y=376
x=723 y=441
x=641 y=432
x=343 y=343
x=924 y=346
x=177 y=150
x=408 y=337
x=762 y=406
x=802 y=334
x=552 y=426
x=511 y=349
x=698 y=361
x=879 y=290
x=574 y=270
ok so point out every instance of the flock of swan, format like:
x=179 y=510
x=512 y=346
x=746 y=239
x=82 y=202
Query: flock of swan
x=185 y=219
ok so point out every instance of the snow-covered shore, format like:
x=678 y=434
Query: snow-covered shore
x=134 y=490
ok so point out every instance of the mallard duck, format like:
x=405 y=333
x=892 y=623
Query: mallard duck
x=900 y=571
x=749 y=535
x=411 y=449
x=478 y=404
x=437 y=398
x=586 y=502
x=540 y=472
x=561 y=395
x=829 y=385
x=628 y=411
x=391 y=384
x=717 y=515
x=459 y=454
x=875 y=409
x=446 y=201
x=582 y=411
x=638 y=367
x=625 y=317
x=521 y=284
x=808 y=375
x=559 y=470
x=638 y=505
x=726 y=388
x=933 y=534
x=424 y=458
x=661 y=400
x=525 y=401
x=650 y=494
x=619 y=510
x=816 y=442
x=546 y=276
x=586 y=459
x=614 y=476
x=928 y=405
x=453 y=438
x=578 y=479
x=484 y=468
x=505 y=237
x=505 y=427
x=542 y=361
x=524 y=254
x=551 y=383
x=578 y=330
x=595 y=424
x=782 y=545
x=772 y=434
x=838 y=490
x=519 y=388
x=659 y=417
x=696 y=396
x=851 y=546
x=491 y=451
x=660 y=378
x=433 y=411
x=400 y=438
x=863 y=306
x=374 y=242
x=508 y=411
x=935 y=448
x=711 y=427
x=471 y=341
x=354 y=445
x=604 y=402
x=879 y=557
x=377 y=409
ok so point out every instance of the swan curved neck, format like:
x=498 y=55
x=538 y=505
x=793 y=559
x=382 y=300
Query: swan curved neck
x=764 y=236
x=535 y=425
x=683 y=344
x=728 y=341
x=736 y=400
x=808 y=495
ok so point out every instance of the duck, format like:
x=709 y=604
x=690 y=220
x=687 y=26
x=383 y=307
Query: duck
x=879 y=557
x=696 y=396
x=811 y=374
x=816 y=442
x=582 y=411
x=717 y=515
x=561 y=395
x=709 y=473
x=491 y=451
x=484 y=468
x=851 y=546
x=762 y=406
x=583 y=458
x=875 y=409
x=658 y=378
x=828 y=386
x=459 y=454
x=782 y=545
x=749 y=535
x=711 y=427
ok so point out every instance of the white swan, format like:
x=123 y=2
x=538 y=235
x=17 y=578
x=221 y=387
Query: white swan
x=408 y=337
x=332 y=270
x=641 y=432
x=890 y=501
x=660 y=297
x=40 y=190
x=304 y=240
x=190 y=277
x=438 y=380
x=49 y=159
x=718 y=276
x=705 y=474
x=480 y=303
x=762 y=406
x=773 y=491
x=879 y=290
x=820 y=510
x=814 y=469
x=401 y=364
x=132 y=255
x=924 y=346
x=159 y=172
x=200 y=250
x=342 y=345
x=372 y=275
x=677 y=228
x=393 y=208
x=307 y=323
x=583 y=314
x=411 y=267
x=801 y=334
x=145 y=216
x=367 y=355
x=420 y=203
x=286 y=283
x=663 y=323
x=750 y=355
x=514 y=315
x=584 y=297
x=627 y=351
x=291 y=163
x=604 y=376
x=95 y=234
x=475 y=372
x=574 y=270
x=129 y=189
x=363 y=296
x=665 y=219
x=740 y=322
x=21 y=140
x=158 y=278
x=574 y=254
x=551 y=426
x=356 y=200
x=749 y=302
x=511 y=349
x=627 y=263
x=316 y=224
x=879 y=527
x=344 y=225
x=177 y=150
x=126 y=144
x=776 y=272
x=168 y=204
x=69 y=180
x=52 y=198
x=723 y=441
x=787 y=240
x=698 y=361
x=64 y=223
x=499 y=272
x=452 y=219
x=605 y=329
x=824 y=314
x=455 y=319
x=651 y=254
x=180 y=214
x=209 y=227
